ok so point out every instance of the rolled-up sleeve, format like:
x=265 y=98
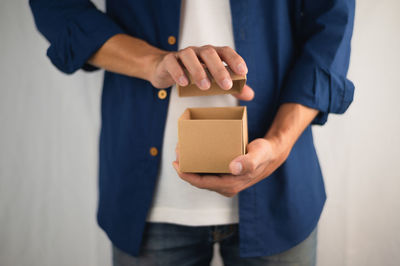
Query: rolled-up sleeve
x=318 y=76
x=76 y=29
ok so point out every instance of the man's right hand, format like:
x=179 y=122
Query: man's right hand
x=168 y=70
x=134 y=57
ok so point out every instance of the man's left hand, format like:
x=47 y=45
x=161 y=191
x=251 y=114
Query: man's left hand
x=263 y=157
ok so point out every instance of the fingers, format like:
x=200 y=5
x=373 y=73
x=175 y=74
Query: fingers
x=226 y=185
x=175 y=70
x=213 y=58
x=247 y=94
x=214 y=64
x=191 y=62
x=200 y=181
x=233 y=59
x=194 y=179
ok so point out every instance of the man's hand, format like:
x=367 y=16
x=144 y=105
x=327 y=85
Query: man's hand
x=168 y=69
x=134 y=57
x=263 y=157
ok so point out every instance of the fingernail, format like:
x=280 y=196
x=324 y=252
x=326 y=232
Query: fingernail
x=242 y=68
x=183 y=81
x=227 y=84
x=204 y=84
x=236 y=168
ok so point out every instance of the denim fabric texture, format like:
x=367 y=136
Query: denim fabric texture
x=170 y=244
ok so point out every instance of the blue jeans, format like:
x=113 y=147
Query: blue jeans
x=176 y=245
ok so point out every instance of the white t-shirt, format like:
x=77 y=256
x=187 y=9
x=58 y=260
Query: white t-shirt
x=176 y=201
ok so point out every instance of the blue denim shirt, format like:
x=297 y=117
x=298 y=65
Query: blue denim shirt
x=296 y=51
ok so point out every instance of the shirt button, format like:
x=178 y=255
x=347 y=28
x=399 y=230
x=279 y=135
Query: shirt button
x=171 y=40
x=162 y=94
x=153 y=151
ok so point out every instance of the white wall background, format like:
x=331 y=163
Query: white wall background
x=49 y=126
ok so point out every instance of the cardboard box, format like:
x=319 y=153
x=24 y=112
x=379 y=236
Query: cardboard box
x=210 y=138
x=192 y=89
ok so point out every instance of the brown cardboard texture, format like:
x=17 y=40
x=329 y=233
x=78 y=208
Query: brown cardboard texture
x=210 y=138
x=192 y=89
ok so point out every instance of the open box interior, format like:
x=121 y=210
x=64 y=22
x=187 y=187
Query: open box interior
x=214 y=113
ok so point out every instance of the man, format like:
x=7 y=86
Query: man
x=266 y=211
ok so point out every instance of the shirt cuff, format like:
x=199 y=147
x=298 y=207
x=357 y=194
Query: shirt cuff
x=82 y=36
x=318 y=88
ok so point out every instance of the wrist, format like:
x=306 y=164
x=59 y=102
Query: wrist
x=280 y=141
x=152 y=61
x=289 y=123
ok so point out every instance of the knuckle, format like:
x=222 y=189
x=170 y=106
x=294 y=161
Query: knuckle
x=170 y=57
x=207 y=46
x=181 y=53
x=186 y=51
x=221 y=73
x=251 y=166
x=260 y=143
x=226 y=49
x=169 y=60
x=207 y=50
x=250 y=176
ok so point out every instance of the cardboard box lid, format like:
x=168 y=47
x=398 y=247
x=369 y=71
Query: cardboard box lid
x=192 y=90
x=209 y=138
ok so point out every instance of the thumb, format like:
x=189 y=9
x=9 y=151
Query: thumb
x=247 y=94
x=242 y=165
x=249 y=162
